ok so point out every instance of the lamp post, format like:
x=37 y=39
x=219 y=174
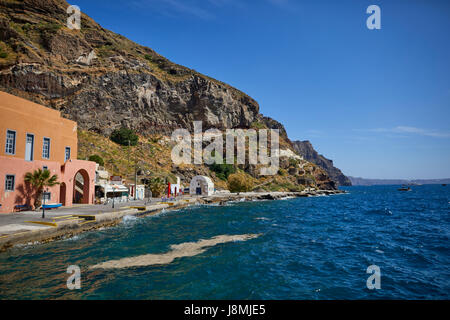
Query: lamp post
x=43 y=205
x=114 y=195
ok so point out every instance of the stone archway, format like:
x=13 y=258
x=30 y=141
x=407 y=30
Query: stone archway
x=62 y=193
x=81 y=187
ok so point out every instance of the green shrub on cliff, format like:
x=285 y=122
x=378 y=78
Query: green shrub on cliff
x=258 y=125
x=98 y=159
x=49 y=28
x=239 y=182
x=124 y=137
x=222 y=171
x=293 y=162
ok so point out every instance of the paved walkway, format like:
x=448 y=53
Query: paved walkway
x=11 y=223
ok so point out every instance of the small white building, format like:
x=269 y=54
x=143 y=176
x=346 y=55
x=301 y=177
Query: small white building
x=140 y=191
x=109 y=187
x=117 y=191
x=201 y=185
x=175 y=188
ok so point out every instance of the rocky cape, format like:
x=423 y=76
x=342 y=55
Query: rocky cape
x=307 y=151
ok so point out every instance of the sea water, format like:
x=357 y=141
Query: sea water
x=303 y=248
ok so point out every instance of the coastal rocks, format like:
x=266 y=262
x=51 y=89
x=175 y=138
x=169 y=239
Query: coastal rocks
x=305 y=181
x=284 y=162
x=261 y=196
x=86 y=59
x=68 y=47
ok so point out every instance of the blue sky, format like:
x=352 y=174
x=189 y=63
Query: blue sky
x=377 y=102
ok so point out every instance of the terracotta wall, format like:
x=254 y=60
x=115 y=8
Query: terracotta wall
x=23 y=194
x=87 y=170
x=24 y=117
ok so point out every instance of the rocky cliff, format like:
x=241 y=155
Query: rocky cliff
x=307 y=151
x=104 y=81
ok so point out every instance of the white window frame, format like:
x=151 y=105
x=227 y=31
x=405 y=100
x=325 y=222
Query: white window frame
x=13 y=182
x=32 y=147
x=14 y=142
x=65 y=153
x=43 y=147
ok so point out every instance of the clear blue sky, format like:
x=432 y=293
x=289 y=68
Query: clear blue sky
x=377 y=102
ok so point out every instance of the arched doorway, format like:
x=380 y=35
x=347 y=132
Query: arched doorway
x=62 y=194
x=201 y=185
x=81 y=187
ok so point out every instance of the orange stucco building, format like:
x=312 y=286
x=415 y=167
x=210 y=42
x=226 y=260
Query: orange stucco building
x=31 y=137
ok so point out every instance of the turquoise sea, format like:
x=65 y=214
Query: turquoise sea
x=304 y=248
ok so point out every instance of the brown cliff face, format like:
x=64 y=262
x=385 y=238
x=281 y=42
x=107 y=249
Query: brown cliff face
x=104 y=81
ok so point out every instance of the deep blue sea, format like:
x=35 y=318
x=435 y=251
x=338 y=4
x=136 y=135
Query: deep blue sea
x=307 y=248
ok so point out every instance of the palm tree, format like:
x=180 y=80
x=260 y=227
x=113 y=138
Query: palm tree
x=40 y=179
x=156 y=186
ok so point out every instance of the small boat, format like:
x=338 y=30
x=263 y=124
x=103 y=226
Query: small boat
x=52 y=206
x=404 y=188
x=444 y=185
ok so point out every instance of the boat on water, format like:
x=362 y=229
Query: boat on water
x=404 y=188
x=444 y=184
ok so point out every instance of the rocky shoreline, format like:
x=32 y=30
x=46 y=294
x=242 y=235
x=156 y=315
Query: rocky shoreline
x=88 y=222
x=255 y=196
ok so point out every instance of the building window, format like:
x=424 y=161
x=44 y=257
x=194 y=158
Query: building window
x=10 y=147
x=67 y=154
x=29 y=147
x=46 y=148
x=44 y=168
x=9 y=182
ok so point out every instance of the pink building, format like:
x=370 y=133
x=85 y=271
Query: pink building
x=31 y=137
